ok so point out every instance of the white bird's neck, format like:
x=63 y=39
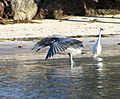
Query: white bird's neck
x=99 y=38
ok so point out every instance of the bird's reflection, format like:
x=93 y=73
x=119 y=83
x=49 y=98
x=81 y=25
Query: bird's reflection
x=76 y=71
x=100 y=66
x=100 y=75
x=99 y=59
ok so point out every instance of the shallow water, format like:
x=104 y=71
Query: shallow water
x=23 y=76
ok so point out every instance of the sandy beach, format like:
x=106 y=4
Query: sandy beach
x=71 y=26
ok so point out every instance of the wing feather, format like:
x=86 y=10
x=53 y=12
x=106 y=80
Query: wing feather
x=55 y=48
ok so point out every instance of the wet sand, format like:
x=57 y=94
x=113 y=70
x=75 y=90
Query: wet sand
x=23 y=49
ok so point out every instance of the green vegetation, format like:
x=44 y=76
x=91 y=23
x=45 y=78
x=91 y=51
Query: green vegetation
x=20 y=39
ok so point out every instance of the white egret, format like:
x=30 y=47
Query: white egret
x=97 y=48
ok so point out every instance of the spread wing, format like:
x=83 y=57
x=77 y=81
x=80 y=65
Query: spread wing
x=55 y=48
x=42 y=44
x=56 y=44
x=60 y=45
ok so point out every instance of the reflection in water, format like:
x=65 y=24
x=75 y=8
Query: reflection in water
x=99 y=59
x=77 y=71
x=101 y=76
x=40 y=79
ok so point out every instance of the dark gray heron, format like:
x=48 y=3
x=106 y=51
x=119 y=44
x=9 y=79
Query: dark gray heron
x=59 y=44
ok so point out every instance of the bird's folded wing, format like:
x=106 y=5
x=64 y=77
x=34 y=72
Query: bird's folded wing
x=55 y=48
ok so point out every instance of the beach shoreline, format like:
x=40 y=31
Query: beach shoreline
x=21 y=37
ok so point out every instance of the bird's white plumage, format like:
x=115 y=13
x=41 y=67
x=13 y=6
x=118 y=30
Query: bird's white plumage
x=97 y=48
x=73 y=51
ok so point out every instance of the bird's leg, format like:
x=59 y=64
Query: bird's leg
x=71 y=60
